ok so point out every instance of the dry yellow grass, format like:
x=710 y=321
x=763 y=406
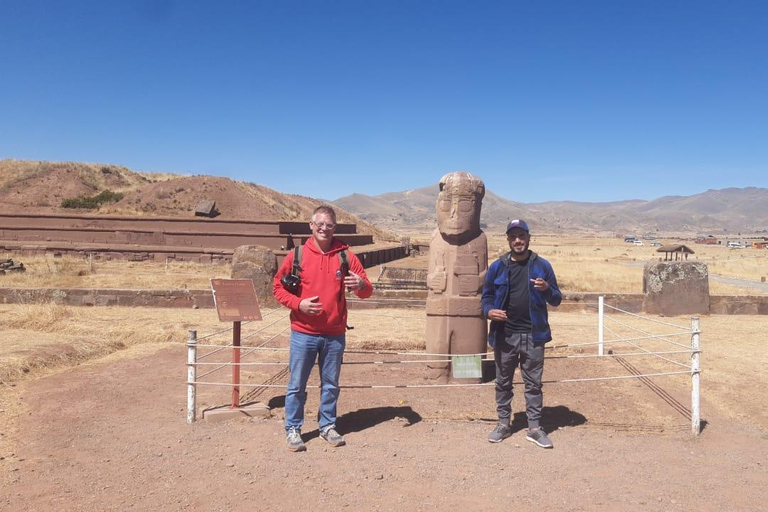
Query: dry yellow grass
x=609 y=265
x=582 y=264
x=70 y=272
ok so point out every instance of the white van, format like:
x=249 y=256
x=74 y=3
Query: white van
x=639 y=242
x=735 y=245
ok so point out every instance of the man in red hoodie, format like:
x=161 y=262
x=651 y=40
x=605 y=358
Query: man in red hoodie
x=318 y=323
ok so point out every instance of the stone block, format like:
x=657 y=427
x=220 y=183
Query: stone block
x=676 y=288
x=259 y=264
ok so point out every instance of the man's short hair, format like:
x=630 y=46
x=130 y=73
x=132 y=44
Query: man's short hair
x=325 y=209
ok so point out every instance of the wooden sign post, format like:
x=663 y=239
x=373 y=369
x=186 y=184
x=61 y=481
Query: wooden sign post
x=236 y=302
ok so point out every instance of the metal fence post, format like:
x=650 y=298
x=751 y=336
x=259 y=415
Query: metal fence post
x=600 y=324
x=695 y=377
x=191 y=377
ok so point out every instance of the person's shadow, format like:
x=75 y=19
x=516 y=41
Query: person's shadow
x=361 y=419
x=552 y=418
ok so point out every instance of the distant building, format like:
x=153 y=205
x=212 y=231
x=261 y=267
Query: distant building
x=706 y=240
x=675 y=251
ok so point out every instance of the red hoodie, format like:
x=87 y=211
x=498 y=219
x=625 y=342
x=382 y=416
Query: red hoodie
x=321 y=276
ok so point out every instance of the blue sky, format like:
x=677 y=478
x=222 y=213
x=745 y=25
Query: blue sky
x=545 y=100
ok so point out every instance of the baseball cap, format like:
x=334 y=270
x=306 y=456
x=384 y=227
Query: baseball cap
x=518 y=223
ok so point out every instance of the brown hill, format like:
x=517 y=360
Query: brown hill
x=40 y=187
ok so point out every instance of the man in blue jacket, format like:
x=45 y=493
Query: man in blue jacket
x=517 y=289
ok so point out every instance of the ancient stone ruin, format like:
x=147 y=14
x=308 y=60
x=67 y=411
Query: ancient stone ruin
x=8 y=265
x=259 y=264
x=676 y=288
x=458 y=261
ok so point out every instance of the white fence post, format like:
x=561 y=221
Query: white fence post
x=191 y=377
x=600 y=313
x=695 y=377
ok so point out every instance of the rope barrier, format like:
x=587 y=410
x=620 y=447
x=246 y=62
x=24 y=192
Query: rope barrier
x=637 y=329
x=251 y=350
x=687 y=329
x=468 y=385
x=384 y=301
x=343 y=362
x=222 y=347
x=377 y=315
x=570 y=345
x=423 y=357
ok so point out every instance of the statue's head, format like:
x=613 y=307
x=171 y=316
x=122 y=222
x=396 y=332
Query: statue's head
x=459 y=203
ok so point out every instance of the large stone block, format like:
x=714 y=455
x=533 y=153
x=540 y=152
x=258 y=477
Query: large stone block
x=259 y=264
x=676 y=288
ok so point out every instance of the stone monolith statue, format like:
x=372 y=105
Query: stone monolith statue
x=458 y=261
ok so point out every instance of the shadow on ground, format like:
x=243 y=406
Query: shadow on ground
x=552 y=418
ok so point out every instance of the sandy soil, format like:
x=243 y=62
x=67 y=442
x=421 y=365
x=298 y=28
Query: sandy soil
x=111 y=435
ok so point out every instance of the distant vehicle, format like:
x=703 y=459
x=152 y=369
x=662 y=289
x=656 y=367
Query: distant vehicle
x=630 y=239
x=735 y=245
x=655 y=244
x=638 y=242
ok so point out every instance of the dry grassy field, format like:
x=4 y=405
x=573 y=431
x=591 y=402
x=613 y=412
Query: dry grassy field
x=582 y=265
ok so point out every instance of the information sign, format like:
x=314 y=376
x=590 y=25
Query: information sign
x=235 y=300
x=467 y=367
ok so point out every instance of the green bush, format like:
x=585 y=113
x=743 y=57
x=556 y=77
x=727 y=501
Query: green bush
x=89 y=203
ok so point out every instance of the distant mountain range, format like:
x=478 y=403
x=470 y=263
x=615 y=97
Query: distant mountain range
x=40 y=187
x=729 y=210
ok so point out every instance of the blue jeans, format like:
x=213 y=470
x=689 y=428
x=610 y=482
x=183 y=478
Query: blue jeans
x=328 y=349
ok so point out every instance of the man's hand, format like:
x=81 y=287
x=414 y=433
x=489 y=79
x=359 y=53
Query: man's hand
x=311 y=305
x=354 y=282
x=498 y=315
x=540 y=284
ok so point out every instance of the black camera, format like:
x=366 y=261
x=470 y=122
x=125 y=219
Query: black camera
x=291 y=283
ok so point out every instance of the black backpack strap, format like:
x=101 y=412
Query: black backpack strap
x=296 y=268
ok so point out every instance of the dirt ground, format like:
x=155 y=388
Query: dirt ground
x=112 y=435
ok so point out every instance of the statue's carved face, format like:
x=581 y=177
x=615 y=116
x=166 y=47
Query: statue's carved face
x=458 y=204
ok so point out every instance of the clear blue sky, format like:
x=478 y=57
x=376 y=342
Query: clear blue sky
x=545 y=100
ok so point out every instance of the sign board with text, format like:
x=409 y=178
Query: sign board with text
x=235 y=300
x=467 y=367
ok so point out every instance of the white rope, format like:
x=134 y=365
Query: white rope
x=215 y=333
x=649 y=352
x=245 y=346
x=224 y=365
x=358 y=313
x=637 y=329
x=614 y=341
x=385 y=301
x=222 y=347
x=628 y=354
x=422 y=386
x=265 y=327
x=343 y=362
x=647 y=318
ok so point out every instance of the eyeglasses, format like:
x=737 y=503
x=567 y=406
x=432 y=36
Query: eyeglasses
x=323 y=225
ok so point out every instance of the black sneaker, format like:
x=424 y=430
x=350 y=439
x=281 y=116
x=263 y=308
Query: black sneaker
x=500 y=433
x=333 y=437
x=539 y=437
x=293 y=440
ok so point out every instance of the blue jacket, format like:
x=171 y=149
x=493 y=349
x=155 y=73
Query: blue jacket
x=496 y=296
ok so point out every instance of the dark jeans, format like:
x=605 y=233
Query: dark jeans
x=519 y=349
